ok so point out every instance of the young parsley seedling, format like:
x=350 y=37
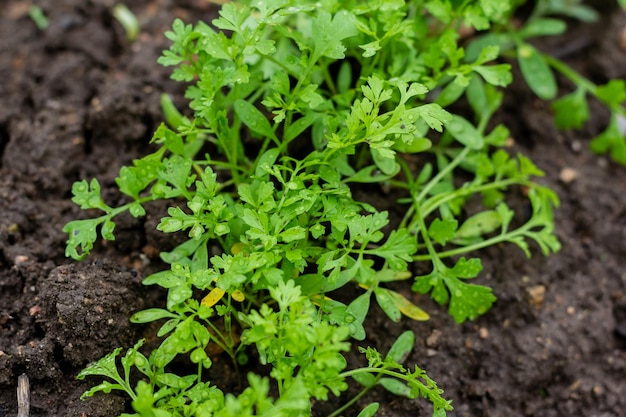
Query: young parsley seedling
x=296 y=108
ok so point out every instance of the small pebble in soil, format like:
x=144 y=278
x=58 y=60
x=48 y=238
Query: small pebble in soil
x=536 y=295
x=34 y=311
x=483 y=333
x=576 y=146
x=568 y=175
x=431 y=341
x=20 y=259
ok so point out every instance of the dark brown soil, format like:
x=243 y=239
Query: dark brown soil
x=78 y=101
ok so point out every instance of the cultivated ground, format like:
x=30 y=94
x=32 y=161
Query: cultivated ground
x=78 y=101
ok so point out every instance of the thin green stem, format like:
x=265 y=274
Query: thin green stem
x=571 y=74
x=354 y=399
x=436 y=201
x=441 y=174
x=432 y=253
x=503 y=237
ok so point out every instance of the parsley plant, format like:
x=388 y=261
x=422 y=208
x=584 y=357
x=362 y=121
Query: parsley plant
x=296 y=108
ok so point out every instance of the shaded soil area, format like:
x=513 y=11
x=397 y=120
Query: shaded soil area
x=79 y=101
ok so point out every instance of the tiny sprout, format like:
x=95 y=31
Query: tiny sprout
x=38 y=16
x=128 y=20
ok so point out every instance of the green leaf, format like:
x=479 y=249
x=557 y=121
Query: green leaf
x=359 y=307
x=499 y=75
x=402 y=347
x=543 y=26
x=87 y=195
x=613 y=94
x=387 y=165
x=365 y=379
x=502 y=41
x=467 y=268
x=612 y=140
x=107 y=230
x=443 y=230
x=451 y=92
x=299 y=126
x=151 y=314
x=328 y=34
x=254 y=119
x=415 y=145
x=465 y=132
x=398 y=249
x=468 y=301
x=536 y=72
x=387 y=304
x=171 y=113
x=370 y=410
x=433 y=115
x=265 y=162
x=571 y=111
x=396 y=387
x=81 y=234
x=479 y=224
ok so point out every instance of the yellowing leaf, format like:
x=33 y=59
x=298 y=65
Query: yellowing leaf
x=238 y=296
x=213 y=297
x=408 y=308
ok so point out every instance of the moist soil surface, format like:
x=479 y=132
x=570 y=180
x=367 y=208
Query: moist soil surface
x=77 y=100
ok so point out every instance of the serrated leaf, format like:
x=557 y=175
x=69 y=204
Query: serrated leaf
x=479 y=224
x=613 y=93
x=612 y=140
x=468 y=301
x=328 y=33
x=571 y=111
x=499 y=75
x=81 y=234
x=398 y=249
x=467 y=268
x=433 y=114
x=107 y=230
x=103 y=367
x=293 y=233
x=87 y=195
x=443 y=230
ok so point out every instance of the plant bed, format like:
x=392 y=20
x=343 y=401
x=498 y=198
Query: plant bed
x=82 y=102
